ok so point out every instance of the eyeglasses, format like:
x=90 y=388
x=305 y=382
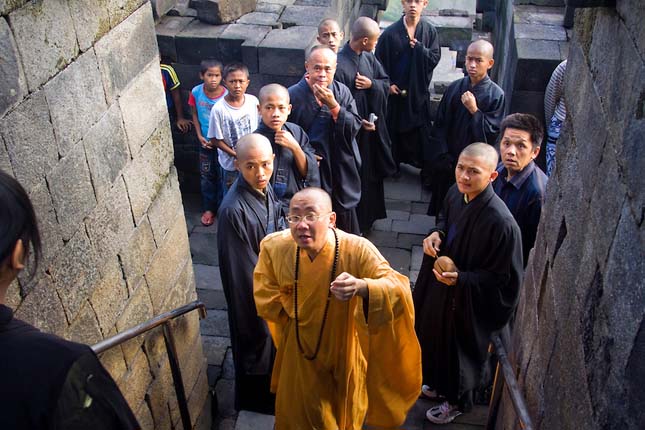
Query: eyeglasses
x=309 y=218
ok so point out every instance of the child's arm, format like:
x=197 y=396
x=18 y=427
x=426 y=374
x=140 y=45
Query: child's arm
x=198 y=128
x=183 y=124
x=220 y=144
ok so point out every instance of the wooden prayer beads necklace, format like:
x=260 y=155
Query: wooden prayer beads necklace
x=295 y=299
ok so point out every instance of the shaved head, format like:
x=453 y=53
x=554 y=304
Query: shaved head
x=482 y=46
x=365 y=27
x=328 y=23
x=273 y=89
x=314 y=195
x=484 y=151
x=248 y=143
x=325 y=50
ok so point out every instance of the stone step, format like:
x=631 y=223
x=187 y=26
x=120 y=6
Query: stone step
x=247 y=420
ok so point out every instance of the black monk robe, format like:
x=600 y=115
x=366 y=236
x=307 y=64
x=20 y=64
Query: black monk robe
x=375 y=146
x=454 y=323
x=455 y=128
x=244 y=218
x=50 y=383
x=411 y=70
x=335 y=142
x=286 y=179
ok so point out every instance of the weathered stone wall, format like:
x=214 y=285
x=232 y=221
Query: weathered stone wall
x=530 y=41
x=84 y=128
x=579 y=339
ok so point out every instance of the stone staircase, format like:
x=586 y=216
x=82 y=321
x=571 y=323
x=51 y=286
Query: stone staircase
x=271 y=41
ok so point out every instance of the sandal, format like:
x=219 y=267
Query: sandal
x=208 y=218
x=442 y=414
x=431 y=394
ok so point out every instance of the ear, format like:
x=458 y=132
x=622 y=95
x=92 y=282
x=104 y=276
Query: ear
x=490 y=63
x=237 y=165
x=289 y=110
x=260 y=108
x=535 y=153
x=494 y=175
x=17 y=256
x=332 y=219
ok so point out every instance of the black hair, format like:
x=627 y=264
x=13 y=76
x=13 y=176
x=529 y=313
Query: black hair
x=525 y=122
x=235 y=67
x=17 y=220
x=208 y=63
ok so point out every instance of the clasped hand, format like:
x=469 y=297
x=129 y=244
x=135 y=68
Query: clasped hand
x=284 y=138
x=346 y=286
x=325 y=96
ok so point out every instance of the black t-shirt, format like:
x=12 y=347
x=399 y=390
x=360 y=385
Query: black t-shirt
x=49 y=383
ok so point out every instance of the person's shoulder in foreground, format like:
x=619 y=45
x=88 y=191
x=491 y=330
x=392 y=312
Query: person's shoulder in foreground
x=45 y=382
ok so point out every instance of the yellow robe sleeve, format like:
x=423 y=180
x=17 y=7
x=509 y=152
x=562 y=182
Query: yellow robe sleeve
x=266 y=292
x=393 y=353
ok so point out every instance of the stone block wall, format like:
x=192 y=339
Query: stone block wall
x=84 y=128
x=579 y=336
x=530 y=41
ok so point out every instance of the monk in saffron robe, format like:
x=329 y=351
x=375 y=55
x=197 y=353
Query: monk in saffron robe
x=326 y=110
x=342 y=321
x=249 y=211
x=361 y=72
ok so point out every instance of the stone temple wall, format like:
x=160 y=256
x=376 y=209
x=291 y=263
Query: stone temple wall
x=579 y=336
x=84 y=128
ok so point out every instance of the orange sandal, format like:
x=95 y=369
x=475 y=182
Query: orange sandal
x=208 y=218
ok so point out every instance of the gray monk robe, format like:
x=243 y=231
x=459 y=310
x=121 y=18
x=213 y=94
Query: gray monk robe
x=286 y=179
x=375 y=146
x=335 y=142
x=454 y=323
x=455 y=128
x=244 y=218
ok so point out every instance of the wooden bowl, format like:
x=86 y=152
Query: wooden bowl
x=444 y=264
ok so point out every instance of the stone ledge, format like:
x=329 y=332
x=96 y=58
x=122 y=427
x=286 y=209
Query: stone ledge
x=167 y=28
x=540 y=32
x=222 y=11
x=242 y=41
x=195 y=42
x=261 y=18
x=282 y=52
x=452 y=28
x=303 y=16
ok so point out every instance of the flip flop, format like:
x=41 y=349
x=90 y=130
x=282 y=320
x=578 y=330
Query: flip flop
x=208 y=218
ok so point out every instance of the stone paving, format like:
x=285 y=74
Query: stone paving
x=399 y=238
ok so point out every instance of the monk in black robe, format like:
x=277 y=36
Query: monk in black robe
x=294 y=166
x=326 y=110
x=456 y=312
x=470 y=111
x=361 y=72
x=409 y=51
x=248 y=212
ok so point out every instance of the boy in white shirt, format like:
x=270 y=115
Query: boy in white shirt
x=232 y=118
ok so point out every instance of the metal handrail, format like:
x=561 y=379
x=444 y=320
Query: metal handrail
x=171 y=350
x=508 y=380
